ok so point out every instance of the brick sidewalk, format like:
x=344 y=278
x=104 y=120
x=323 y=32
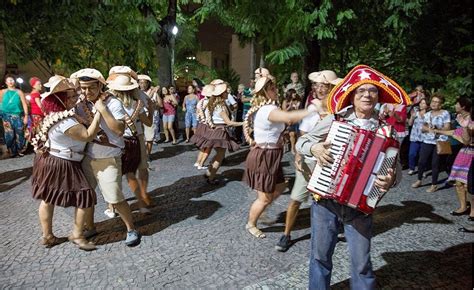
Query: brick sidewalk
x=196 y=237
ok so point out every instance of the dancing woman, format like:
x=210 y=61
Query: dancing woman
x=217 y=137
x=124 y=87
x=169 y=111
x=58 y=179
x=199 y=138
x=263 y=171
x=189 y=106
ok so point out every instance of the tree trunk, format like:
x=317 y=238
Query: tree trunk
x=311 y=61
x=164 y=62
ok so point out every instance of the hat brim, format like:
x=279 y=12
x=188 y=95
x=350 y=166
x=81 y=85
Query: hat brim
x=90 y=73
x=57 y=87
x=388 y=91
x=219 y=89
x=115 y=87
x=261 y=82
x=144 y=77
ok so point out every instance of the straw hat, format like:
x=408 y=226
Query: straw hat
x=57 y=84
x=207 y=90
x=219 y=89
x=261 y=82
x=144 y=77
x=123 y=83
x=122 y=69
x=261 y=72
x=89 y=73
x=325 y=77
x=217 y=82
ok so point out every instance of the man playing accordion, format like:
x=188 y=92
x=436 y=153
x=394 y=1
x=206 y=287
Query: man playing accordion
x=354 y=99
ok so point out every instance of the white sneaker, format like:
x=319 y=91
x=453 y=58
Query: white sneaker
x=196 y=164
x=144 y=210
x=201 y=167
x=110 y=213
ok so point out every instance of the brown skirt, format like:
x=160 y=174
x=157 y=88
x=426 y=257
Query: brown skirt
x=61 y=182
x=131 y=156
x=198 y=137
x=219 y=138
x=263 y=169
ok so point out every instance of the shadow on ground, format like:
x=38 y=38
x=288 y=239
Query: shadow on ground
x=18 y=176
x=174 y=203
x=171 y=151
x=449 y=269
x=386 y=217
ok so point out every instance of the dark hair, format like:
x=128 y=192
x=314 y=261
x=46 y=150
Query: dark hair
x=426 y=101
x=52 y=103
x=438 y=96
x=199 y=83
x=9 y=76
x=289 y=93
x=465 y=103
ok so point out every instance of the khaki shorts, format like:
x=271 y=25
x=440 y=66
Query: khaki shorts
x=299 y=192
x=149 y=132
x=143 y=154
x=107 y=173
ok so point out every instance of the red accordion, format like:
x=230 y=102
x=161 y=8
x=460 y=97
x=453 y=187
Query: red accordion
x=359 y=156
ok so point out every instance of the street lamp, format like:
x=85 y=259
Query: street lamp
x=20 y=81
x=174 y=30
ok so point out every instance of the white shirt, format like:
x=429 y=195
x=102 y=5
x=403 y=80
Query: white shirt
x=98 y=151
x=230 y=100
x=266 y=131
x=216 y=116
x=310 y=121
x=69 y=148
x=138 y=124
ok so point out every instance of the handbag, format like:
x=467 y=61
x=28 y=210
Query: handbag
x=443 y=148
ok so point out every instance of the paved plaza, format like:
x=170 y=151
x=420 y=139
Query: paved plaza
x=195 y=236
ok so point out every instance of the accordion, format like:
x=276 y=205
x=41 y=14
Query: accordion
x=359 y=156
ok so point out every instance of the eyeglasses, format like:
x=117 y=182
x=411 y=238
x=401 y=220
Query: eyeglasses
x=371 y=91
x=321 y=86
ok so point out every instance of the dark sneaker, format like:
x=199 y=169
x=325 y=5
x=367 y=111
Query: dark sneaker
x=283 y=244
x=133 y=238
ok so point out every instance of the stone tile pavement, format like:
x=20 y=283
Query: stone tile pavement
x=195 y=236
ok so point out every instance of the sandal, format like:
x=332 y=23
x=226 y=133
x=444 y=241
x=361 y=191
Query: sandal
x=148 y=201
x=254 y=231
x=52 y=241
x=82 y=243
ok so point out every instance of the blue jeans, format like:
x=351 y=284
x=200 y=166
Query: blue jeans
x=190 y=119
x=326 y=216
x=413 y=154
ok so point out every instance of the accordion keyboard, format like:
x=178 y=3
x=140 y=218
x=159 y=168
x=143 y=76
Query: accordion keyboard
x=323 y=177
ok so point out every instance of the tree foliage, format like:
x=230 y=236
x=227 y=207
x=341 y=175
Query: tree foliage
x=413 y=41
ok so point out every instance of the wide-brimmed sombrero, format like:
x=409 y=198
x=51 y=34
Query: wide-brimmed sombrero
x=389 y=91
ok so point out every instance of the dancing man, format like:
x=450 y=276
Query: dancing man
x=102 y=163
x=323 y=82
